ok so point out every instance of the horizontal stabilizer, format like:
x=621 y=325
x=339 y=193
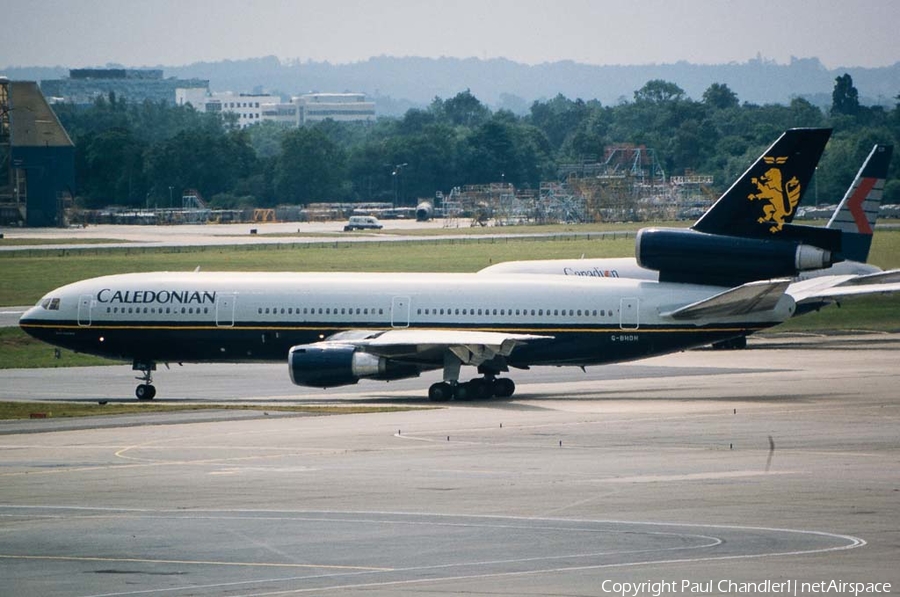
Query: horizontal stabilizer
x=886 y=277
x=826 y=289
x=753 y=297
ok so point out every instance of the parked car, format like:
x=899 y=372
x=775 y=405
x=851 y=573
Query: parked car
x=362 y=223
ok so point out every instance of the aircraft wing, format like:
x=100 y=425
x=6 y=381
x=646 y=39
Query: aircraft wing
x=471 y=347
x=753 y=297
x=826 y=289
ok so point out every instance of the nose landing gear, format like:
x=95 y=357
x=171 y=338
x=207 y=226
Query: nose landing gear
x=145 y=391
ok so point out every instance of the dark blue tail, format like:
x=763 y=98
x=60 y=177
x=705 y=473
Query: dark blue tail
x=765 y=197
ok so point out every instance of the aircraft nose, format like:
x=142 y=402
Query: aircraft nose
x=30 y=314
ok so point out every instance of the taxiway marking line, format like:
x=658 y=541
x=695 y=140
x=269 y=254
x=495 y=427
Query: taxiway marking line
x=191 y=562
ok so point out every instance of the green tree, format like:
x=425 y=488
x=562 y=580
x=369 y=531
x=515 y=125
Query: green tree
x=720 y=97
x=310 y=168
x=111 y=171
x=845 y=97
x=463 y=109
x=658 y=91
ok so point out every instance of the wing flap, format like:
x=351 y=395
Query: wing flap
x=470 y=346
x=753 y=297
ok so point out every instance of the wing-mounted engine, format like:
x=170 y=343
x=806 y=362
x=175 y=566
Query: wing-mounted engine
x=331 y=364
x=685 y=255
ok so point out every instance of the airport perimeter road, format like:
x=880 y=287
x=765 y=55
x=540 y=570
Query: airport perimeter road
x=776 y=464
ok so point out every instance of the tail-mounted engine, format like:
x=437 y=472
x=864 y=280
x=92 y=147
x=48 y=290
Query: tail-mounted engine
x=684 y=255
x=327 y=365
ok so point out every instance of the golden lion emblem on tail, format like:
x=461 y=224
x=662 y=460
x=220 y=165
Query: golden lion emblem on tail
x=782 y=198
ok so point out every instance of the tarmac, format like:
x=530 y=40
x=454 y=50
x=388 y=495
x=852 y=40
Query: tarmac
x=761 y=471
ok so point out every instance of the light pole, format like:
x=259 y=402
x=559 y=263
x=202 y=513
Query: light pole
x=398 y=189
x=170 y=195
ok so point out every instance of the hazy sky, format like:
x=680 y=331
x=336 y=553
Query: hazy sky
x=77 y=33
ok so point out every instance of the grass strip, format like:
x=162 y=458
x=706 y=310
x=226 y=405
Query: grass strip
x=60 y=410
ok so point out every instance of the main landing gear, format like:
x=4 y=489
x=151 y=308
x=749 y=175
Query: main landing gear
x=481 y=388
x=145 y=391
x=477 y=389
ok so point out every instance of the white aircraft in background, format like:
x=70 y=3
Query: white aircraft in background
x=337 y=328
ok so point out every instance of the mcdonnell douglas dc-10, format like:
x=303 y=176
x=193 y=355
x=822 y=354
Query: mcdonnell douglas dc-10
x=337 y=328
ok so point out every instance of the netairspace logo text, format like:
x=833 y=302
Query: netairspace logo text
x=764 y=587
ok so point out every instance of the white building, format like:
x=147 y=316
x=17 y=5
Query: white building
x=247 y=108
x=341 y=107
x=250 y=109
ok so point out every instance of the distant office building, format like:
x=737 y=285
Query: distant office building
x=250 y=109
x=247 y=108
x=341 y=107
x=84 y=85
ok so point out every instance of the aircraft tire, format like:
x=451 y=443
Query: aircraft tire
x=145 y=392
x=504 y=387
x=440 y=392
x=480 y=389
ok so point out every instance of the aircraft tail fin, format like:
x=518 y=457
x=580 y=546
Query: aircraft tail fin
x=765 y=197
x=857 y=212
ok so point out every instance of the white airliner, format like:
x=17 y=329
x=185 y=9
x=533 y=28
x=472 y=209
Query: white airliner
x=855 y=217
x=335 y=328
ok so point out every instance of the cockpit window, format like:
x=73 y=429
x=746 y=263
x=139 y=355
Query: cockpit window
x=50 y=304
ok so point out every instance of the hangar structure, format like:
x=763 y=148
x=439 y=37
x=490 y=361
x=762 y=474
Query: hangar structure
x=37 y=158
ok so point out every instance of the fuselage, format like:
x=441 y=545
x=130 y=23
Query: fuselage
x=627 y=267
x=233 y=317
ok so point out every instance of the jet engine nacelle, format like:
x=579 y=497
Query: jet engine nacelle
x=690 y=256
x=424 y=211
x=327 y=365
